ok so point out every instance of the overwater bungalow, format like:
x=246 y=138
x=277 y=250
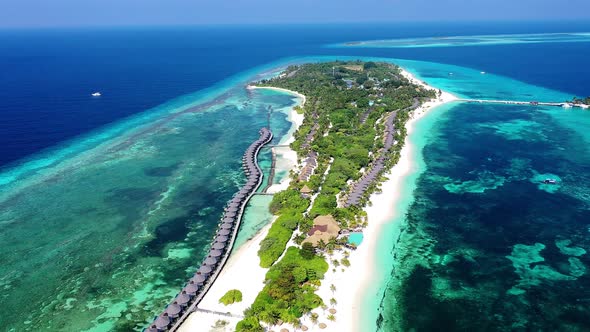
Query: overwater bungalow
x=162 y=322
x=221 y=238
x=211 y=261
x=173 y=310
x=199 y=279
x=224 y=232
x=191 y=288
x=206 y=270
x=183 y=299
x=227 y=225
x=228 y=220
x=215 y=253
x=152 y=328
x=230 y=214
x=218 y=246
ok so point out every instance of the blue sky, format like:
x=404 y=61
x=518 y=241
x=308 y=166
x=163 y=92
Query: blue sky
x=40 y=13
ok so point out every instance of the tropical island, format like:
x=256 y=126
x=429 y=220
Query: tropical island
x=352 y=123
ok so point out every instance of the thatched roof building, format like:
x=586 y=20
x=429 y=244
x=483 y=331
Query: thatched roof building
x=324 y=228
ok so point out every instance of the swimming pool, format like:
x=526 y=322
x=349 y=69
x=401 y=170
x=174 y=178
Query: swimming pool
x=355 y=238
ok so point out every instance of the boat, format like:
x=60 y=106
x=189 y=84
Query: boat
x=550 y=181
x=96 y=94
x=483 y=72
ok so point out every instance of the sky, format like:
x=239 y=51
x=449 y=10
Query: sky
x=60 y=13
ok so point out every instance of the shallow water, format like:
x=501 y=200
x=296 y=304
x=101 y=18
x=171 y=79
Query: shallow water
x=111 y=238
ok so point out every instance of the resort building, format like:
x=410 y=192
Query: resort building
x=306 y=191
x=324 y=228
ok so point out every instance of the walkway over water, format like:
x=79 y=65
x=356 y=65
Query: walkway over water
x=195 y=290
x=528 y=103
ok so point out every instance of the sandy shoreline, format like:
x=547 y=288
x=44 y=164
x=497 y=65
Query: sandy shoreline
x=353 y=283
x=243 y=271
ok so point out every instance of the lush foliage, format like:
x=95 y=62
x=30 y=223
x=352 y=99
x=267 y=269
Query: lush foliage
x=289 y=205
x=289 y=289
x=231 y=297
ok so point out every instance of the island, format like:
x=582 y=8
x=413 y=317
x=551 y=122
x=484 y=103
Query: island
x=352 y=123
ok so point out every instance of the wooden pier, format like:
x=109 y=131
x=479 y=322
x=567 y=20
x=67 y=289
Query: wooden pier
x=195 y=290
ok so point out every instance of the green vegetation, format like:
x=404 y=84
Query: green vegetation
x=289 y=205
x=289 y=289
x=347 y=104
x=231 y=297
x=585 y=101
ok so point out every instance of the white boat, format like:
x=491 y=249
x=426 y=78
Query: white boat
x=483 y=72
x=96 y=94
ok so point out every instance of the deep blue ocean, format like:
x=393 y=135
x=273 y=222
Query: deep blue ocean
x=108 y=203
x=47 y=76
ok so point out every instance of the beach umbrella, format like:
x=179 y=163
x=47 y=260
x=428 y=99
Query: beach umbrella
x=224 y=232
x=162 y=321
x=215 y=253
x=198 y=278
x=191 y=289
x=218 y=246
x=210 y=261
x=182 y=299
x=206 y=269
x=173 y=310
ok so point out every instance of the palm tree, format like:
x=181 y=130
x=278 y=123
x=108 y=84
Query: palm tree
x=332 y=288
x=333 y=301
x=331 y=318
x=314 y=318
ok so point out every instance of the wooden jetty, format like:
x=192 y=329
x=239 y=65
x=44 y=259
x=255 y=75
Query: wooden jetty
x=196 y=288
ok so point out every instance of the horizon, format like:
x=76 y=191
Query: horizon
x=491 y=22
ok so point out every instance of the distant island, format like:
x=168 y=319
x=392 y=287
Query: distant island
x=581 y=102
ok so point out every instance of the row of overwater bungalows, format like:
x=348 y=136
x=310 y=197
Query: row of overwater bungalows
x=196 y=287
